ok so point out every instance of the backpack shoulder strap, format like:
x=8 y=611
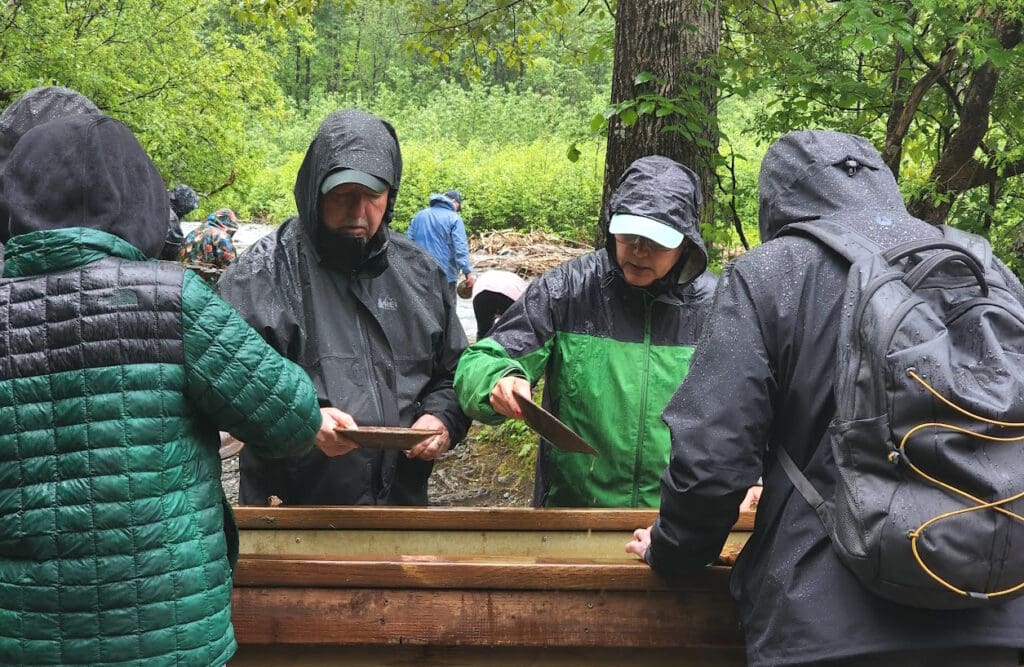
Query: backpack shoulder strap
x=804 y=487
x=845 y=241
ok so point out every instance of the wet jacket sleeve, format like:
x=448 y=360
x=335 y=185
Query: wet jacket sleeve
x=439 y=397
x=253 y=292
x=719 y=419
x=240 y=382
x=461 y=246
x=520 y=345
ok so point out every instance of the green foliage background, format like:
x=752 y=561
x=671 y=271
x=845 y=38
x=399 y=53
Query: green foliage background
x=503 y=150
x=491 y=97
x=169 y=70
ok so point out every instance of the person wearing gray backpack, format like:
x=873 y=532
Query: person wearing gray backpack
x=867 y=365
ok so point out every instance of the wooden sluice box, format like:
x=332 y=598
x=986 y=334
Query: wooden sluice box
x=473 y=586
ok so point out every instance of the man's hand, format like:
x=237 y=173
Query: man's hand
x=641 y=542
x=503 y=396
x=328 y=439
x=434 y=446
x=752 y=499
x=470 y=280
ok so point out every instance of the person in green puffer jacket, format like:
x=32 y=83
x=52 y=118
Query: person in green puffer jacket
x=116 y=373
x=613 y=332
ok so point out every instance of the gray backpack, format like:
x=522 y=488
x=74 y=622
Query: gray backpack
x=928 y=440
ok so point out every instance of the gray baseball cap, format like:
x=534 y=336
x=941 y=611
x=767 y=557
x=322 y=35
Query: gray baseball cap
x=336 y=178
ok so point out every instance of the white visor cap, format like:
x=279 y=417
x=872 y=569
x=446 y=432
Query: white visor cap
x=660 y=233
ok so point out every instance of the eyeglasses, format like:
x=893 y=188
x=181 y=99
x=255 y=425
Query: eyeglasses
x=638 y=242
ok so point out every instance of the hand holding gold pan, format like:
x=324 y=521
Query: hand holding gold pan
x=229 y=446
x=373 y=437
x=386 y=437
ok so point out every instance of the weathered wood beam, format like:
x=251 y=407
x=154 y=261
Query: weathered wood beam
x=698 y=617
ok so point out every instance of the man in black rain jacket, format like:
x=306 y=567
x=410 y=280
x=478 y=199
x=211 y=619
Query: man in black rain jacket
x=365 y=312
x=762 y=378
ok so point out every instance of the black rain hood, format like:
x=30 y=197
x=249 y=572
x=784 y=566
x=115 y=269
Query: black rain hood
x=663 y=190
x=35 y=107
x=351 y=139
x=819 y=173
x=86 y=171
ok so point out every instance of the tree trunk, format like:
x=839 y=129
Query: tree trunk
x=671 y=39
x=359 y=42
x=334 y=81
x=305 y=96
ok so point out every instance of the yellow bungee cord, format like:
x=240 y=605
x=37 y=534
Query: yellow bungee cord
x=979 y=504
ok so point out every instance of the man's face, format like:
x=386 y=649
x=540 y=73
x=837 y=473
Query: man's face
x=643 y=261
x=353 y=209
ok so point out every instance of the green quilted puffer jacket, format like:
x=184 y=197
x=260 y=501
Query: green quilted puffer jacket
x=115 y=375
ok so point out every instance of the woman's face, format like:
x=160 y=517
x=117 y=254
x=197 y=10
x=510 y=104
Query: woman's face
x=642 y=260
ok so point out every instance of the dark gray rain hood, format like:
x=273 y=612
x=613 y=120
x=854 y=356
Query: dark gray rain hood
x=348 y=139
x=86 y=171
x=819 y=173
x=35 y=107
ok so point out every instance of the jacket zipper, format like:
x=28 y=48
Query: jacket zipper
x=371 y=382
x=648 y=307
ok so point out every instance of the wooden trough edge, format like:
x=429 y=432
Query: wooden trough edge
x=552 y=575
x=451 y=518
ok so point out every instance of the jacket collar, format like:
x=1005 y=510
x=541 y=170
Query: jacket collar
x=54 y=250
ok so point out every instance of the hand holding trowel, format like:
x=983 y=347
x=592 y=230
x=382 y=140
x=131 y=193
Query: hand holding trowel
x=511 y=398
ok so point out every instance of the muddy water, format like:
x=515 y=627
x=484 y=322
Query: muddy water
x=465 y=311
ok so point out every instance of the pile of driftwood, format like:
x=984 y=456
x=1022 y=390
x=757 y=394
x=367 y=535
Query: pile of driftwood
x=527 y=253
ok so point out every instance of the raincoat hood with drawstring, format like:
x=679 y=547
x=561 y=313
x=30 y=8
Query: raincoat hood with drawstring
x=350 y=139
x=611 y=354
x=823 y=174
x=380 y=337
x=762 y=378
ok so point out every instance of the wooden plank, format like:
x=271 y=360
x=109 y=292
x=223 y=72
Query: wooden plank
x=467 y=574
x=700 y=617
x=296 y=655
x=443 y=543
x=450 y=518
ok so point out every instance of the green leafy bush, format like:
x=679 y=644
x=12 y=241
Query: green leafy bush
x=505 y=152
x=507 y=185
